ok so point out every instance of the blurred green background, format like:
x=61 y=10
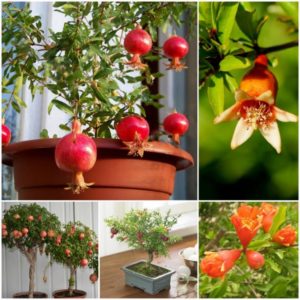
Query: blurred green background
x=254 y=170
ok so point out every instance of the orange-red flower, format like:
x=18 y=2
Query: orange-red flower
x=217 y=264
x=246 y=221
x=285 y=236
x=255 y=107
x=268 y=212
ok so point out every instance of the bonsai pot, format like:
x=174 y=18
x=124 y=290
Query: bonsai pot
x=64 y=294
x=35 y=295
x=150 y=285
x=116 y=175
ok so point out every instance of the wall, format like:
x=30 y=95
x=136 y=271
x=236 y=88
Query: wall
x=15 y=266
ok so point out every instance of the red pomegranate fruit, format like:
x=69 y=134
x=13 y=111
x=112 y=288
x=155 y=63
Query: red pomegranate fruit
x=68 y=252
x=134 y=132
x=76 y=153
x=81 y=236
x=84 y=262
x=25 y=231
x=93 y=278
x=43 y=234
x=176 y=124
x=137 y=42
x=30 y=218
x=255 y=260
x=6 y=135
x=176 y=47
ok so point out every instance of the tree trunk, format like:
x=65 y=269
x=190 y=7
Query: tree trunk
x=32 y=265
x=72 y=281
x=150 y=259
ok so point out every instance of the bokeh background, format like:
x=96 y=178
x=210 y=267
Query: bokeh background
x=254 y=170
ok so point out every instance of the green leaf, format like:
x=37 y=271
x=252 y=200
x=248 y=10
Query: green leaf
x=230 y=82
x=19 y=100
x=278 y=219
x=220 y=290
x=244 y=20
x=260 y=244
x=61 y=106
x=291 y=9
x=226 y=21
x=64 y=127
x=274 y=266
x=44 y=134
x=279 y=287
x=231 y=62
x=18 y=84
x=215 y=92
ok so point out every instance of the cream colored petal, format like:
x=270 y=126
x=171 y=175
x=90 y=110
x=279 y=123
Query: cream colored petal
x=266 y=97
x=228 y=114
x=240 y=95
x=272 y=136
x=241 y=134
x=284 y=116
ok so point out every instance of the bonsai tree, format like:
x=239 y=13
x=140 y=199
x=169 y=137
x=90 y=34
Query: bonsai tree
x=74 y=247
x=29 y=228
x=145 y=230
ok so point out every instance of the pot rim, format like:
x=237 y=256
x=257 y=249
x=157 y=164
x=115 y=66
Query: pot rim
x=26 y=293
x=125 y=268
x=63 y=290
x=184 y=159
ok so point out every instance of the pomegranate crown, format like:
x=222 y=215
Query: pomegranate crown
x=261 y=60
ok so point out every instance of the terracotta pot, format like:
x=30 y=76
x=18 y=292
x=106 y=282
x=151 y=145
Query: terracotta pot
x=25 y=295
x=63 y=294
x=116 y=175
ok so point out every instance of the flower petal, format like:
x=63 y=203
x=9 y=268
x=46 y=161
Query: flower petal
x=241 y=134
x=284 y=116
x=272 y=136
x=228 y=114
x=266 y=97
x=240 y=95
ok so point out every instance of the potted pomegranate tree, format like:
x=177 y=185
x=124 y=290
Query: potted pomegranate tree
x=75 y=247
x=85 y=66
x=29 y=228
x=149 y=231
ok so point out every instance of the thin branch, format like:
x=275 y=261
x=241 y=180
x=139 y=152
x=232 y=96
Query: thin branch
x=248 y=283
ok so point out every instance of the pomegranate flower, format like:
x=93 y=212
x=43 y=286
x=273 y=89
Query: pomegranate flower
x=268 y=212
x=285 y=236
x=246 y=221
x=255 y=107
x=217 y=264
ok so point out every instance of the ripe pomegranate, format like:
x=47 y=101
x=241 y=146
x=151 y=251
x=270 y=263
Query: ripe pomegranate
x=255 y=259
x=6 y=135
x=17 y=216
x=113 y=231
x=40 y=218
x=176 y=124
x=93 y=278
x=97 y=246
x=139 y=235
x=30 y=218
x=164 y=238
x=81 y=236
x=90 y=244
x=89 y=252
x=58 y=240
x=76 y=153
x=4 y=233
x=176 y=47
x=17 y=234
x=43 y=234
x=3 y=226
x=137 y=42
x=84 y=262
x=68 y=252
x=134 y=132
x=25 y=231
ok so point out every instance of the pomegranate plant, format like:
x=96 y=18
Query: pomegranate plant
x=29 y=236
x=145 y=230
x=76 y=153
x=250 y=253
x=76 y=248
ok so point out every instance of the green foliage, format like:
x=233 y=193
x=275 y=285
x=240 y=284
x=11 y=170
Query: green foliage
x=146 y=230
x=83 y=64
x=278 y=278
x=79 y=247
x=16 y=218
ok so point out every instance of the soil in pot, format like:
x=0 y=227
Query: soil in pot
x=35 y=295
x=152 y=271
x=65 y=294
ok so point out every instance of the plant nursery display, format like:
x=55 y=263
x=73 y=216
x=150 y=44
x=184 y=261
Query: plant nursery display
x=258 y=260
x=75 y=247
x=108 y=146
x=29 y=228
x=148 y=231
x=248 y=55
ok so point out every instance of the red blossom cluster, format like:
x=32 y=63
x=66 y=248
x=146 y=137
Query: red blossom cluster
x=247 y=220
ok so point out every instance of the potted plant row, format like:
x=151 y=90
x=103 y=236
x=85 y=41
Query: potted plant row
x=148 y=231
x=32 y=229
x=84 y=66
